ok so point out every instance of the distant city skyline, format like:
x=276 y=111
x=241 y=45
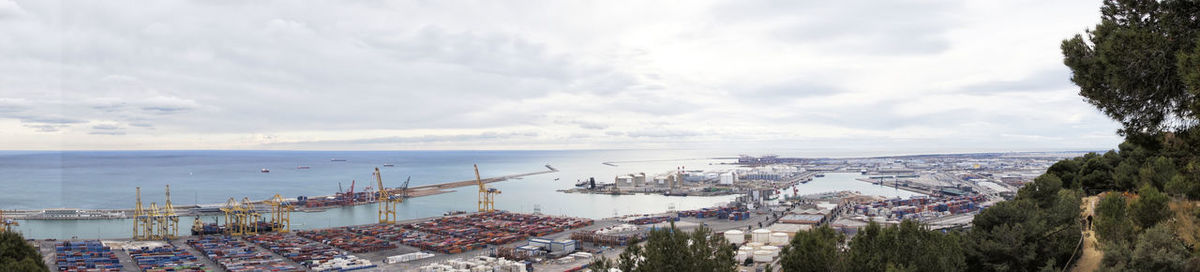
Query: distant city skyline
x=892 y=77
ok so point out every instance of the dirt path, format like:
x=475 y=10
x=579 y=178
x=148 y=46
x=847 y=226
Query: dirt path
x=1090 y=259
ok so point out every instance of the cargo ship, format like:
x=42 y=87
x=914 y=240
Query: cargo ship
x=334 y=159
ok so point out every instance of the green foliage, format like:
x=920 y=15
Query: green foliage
x=674 y=250
x=1133 y=66
x=1096 y=175
x=1179 y=186
x=1038 y=228
x=1150 y=207
x=903 y=248
x=1156 y=249
x=1110 y=220
x=1067 y=171
x=18 y=256
x=1043 y=191
x=813 y=250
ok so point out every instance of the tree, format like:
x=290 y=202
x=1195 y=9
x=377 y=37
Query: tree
x=1110 y=221
x=814 y=250
x=1179 y=186
x=906 y=246
x=18 y=256
x=1158 y=250
x=1139 y=65
x=1150 y=207
x=671 y=249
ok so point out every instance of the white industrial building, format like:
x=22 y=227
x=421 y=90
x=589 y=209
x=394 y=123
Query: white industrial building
x=728 y=178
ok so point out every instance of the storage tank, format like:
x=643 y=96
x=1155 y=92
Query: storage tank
x=747 y=248
x=755 y=245
x=779 y=239
x=735 y=236
x=760 y=236
x=762 y=256
x=773 y=249
x=741 y=256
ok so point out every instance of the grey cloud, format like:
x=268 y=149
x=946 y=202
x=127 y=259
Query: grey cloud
x=662 y=133
x=584 y=124
x=50 y=120
x=486 y=136
x=1050 y=79
x=164 y=109
x=856 y=26
x=44 y=128
x=106 y=127
x=107 y=132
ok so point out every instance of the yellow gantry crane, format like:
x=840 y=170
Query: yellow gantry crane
x=250 y=217
x=487 y=196
x=387 y=201
x=232 y=216
x=154 y=219
x=281 y=214
x=168 y=221
x=153 y=223
x=8 y=223
x=143 y=219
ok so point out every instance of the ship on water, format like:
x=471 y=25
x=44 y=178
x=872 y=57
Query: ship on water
x=336 y=159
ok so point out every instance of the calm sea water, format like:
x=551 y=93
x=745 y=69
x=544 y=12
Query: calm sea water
x=106 y=179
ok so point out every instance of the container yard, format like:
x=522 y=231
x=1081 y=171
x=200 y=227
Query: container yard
x=457 y=234
x=85 y=256
x=237 y=256
x=165 y=258
x=347 y=240
x=299 y=250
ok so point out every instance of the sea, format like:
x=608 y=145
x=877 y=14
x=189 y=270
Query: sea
x=108 y=179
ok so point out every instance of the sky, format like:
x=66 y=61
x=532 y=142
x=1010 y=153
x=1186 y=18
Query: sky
x=897 y=76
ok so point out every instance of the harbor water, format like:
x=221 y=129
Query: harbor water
x=106 y=180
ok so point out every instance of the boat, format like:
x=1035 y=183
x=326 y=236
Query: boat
x=388 y=165
x=264 y=170
x=555 y=179
x=581 y=183
x=820 y=175
x=449 y=213
x=303 y=167
x=337 y=159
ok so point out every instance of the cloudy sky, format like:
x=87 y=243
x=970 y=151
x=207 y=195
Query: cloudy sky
x=918 y=76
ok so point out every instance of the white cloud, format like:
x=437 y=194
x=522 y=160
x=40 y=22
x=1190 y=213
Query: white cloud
x=483 y=75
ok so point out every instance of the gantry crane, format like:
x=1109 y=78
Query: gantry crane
x=387 y=201
x=232 y=216
x=281 y=214
x=8 y=223
x=250 y=217
x=155 y=220
x=487 y=196
x=143 y=220
x=168 y=221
